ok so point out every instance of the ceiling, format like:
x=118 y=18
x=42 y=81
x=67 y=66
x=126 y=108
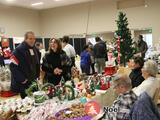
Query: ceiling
x=42 y=4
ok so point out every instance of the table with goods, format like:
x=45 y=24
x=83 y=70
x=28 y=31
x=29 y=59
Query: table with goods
x=79 y=99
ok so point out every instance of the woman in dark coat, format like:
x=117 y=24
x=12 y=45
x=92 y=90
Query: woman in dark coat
x=136 y=73
x=56 y=64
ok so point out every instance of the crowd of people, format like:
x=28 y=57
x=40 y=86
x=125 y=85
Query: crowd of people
x=136 y=92
x=94 y=57
x=29 y=59
x=27 y=62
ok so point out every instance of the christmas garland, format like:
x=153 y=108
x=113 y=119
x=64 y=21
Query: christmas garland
x=62 y=91
x=49 y=89
x=65 y=92
x=32 y=89
x=71 y=90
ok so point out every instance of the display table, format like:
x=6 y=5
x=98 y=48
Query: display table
x=7 y=98
x=104 y=98
x=50 y=106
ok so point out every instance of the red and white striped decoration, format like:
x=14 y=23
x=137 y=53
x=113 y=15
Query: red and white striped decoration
x=118 y=49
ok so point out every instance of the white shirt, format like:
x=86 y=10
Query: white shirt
x=42 y=51
x=149 y=85
x=70 y=51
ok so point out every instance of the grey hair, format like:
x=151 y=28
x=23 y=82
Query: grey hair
x=27 y=33
x=151 y=67
x=122 y=79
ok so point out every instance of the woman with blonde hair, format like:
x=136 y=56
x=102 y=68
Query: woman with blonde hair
x=150 y=84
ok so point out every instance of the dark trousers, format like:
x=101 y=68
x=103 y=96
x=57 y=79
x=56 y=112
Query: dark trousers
x=23 y=94
x=22 y=91
x=93 y=69
x=85 y=69
x=2 y=62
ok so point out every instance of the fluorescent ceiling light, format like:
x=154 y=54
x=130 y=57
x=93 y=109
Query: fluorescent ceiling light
x=37 y=4
x=57 y=0
x=146 y=6
x=10 y=1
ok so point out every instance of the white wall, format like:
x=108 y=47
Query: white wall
x=17 y=21
x=64 y=20
x=73 y=19
x=149 y=17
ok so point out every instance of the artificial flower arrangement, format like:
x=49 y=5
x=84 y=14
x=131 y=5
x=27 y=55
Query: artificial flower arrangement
x=5 y=79
x=5 y=82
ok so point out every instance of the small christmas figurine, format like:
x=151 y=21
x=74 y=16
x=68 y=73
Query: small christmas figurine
x=87 y=85
x=62 y=83
x=60 y=92
x=92 y=88
x=49 y=90
x=75 y=75
x=98 y=84
x=105 y=84
x=65 y=92
x=73 y=84
x=69 y=92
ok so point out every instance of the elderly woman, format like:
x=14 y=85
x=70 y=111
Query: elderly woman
x=126 y=97
x=150 y=84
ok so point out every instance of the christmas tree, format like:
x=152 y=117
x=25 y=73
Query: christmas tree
x=126 y=42
x=92 y=88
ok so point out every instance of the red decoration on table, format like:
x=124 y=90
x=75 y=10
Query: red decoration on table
x=92 y=108
x=79 y=86
x=110 y=70
x=7 y=94
x=104 y=86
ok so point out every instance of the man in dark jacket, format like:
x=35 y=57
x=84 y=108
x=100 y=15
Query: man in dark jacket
x=25 y=65
x=100 y=52
x=1 y=58
x=142 y=46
